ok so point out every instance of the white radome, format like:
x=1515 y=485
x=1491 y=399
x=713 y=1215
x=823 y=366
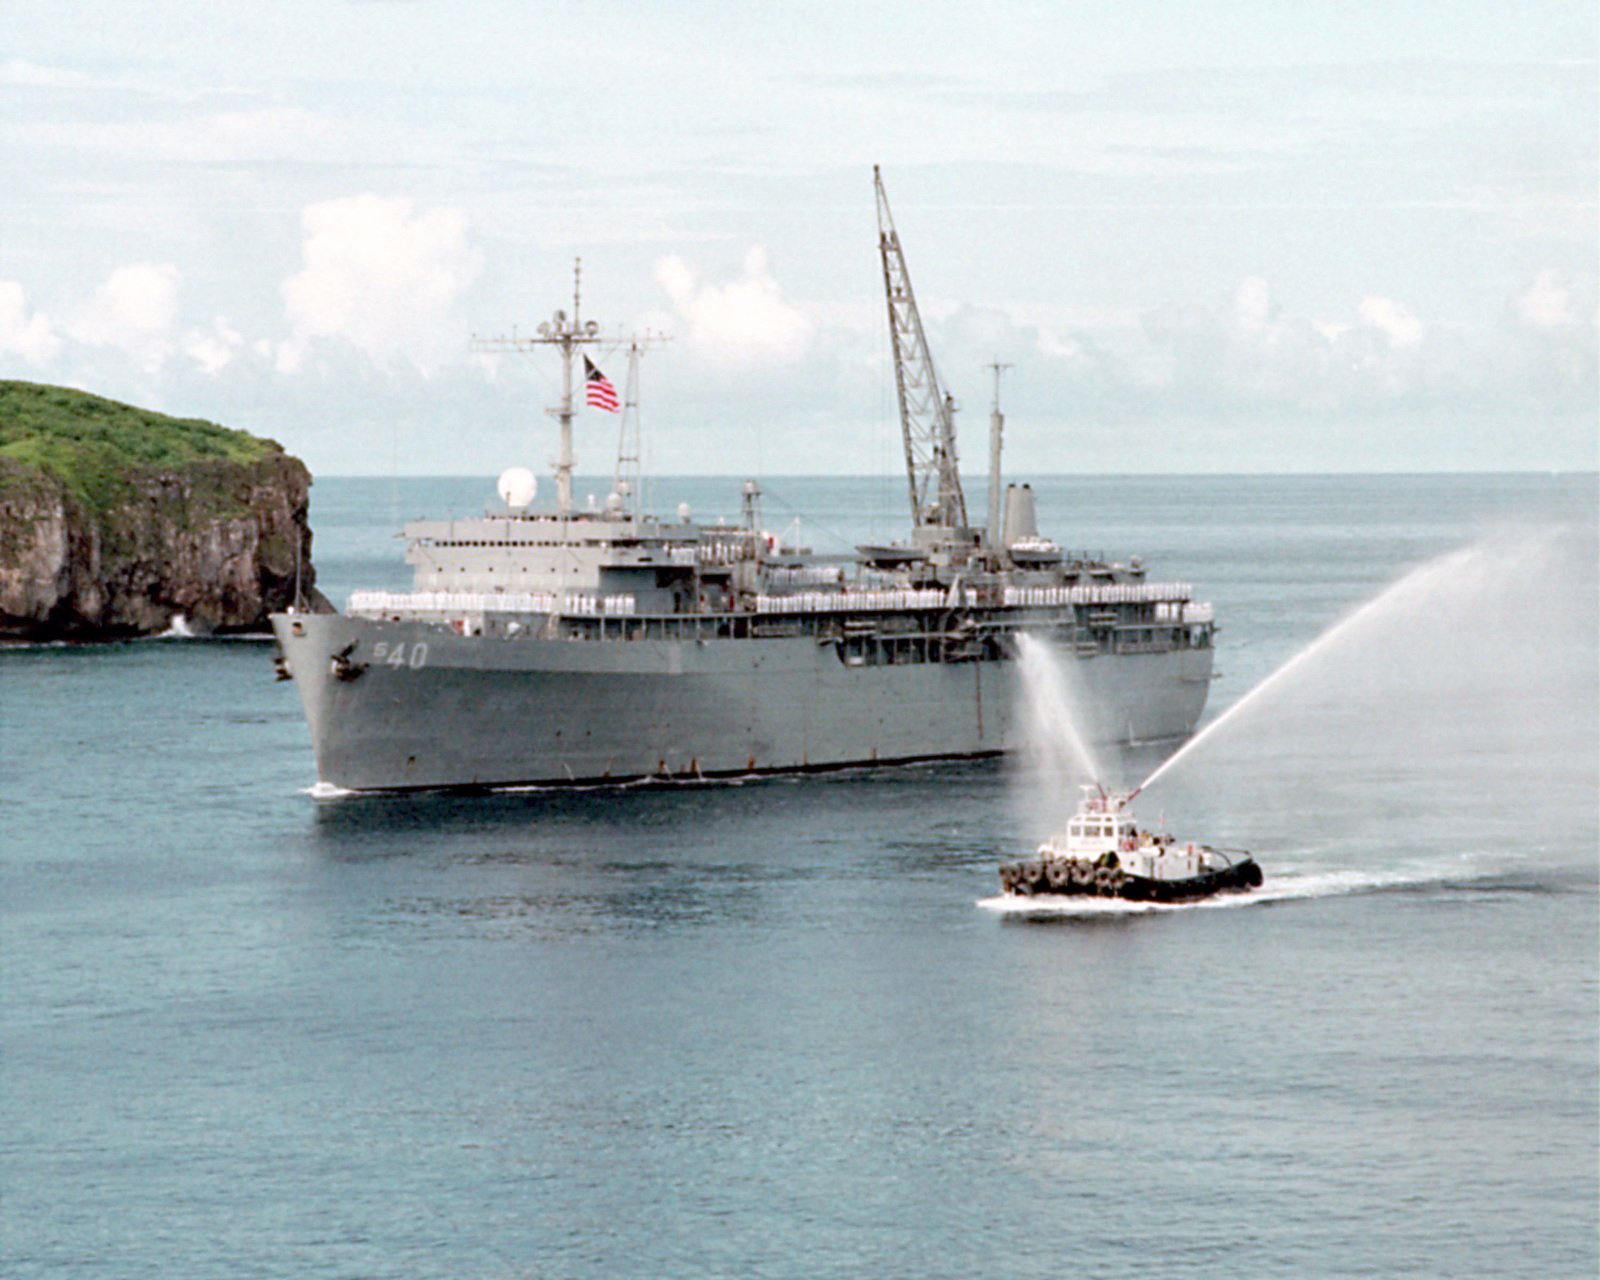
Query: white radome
x=517 y=485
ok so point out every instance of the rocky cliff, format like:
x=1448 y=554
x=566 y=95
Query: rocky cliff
x=113 y=520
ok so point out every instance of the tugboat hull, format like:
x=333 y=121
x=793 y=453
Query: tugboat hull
x=1241 y=877
x=1077 y=877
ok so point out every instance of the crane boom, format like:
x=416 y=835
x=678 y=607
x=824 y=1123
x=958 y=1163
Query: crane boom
x=927 y=412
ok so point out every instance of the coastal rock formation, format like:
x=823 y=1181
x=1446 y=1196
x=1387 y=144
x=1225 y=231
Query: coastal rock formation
x=114 y=520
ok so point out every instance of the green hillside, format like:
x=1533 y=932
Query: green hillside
x=95 y=446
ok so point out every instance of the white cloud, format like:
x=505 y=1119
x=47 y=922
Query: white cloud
x=29 y=335
x=20 y=73
x=1552 y=335
x=224 y=138
x=1397 y=322
x=1546 y=303
x=30 y=75
x=135 y=311
x=746 y=318
x=382 y=276
x=253 y=136
x=264 y=133
x=213 y=349
x=1253 y=354
x=1253 y=308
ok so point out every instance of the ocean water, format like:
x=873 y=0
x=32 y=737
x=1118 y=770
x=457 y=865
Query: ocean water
x=780 y=1029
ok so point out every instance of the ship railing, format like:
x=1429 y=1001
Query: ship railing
x=587 y=606
x=866 y=579
x=451 y=602
x=806 y=575
x=448 y=604
x=1193 y=613
x=850 y=601
x=1109 y=593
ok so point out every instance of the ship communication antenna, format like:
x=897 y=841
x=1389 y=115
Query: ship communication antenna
x=627 y=476
x=567 y=334
x=927 y=412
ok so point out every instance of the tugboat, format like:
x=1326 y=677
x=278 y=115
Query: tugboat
x=1103 y=853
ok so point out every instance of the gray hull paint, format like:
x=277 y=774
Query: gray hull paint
x=477 y=712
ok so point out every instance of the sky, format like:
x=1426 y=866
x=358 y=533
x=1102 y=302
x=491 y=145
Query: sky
x=1219 y=237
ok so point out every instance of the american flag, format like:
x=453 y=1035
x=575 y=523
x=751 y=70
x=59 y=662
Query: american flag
x=597 y=389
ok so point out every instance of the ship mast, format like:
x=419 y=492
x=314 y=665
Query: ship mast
x=567 y=333
x=927 y=412
x=997 y=426
x=626 y=477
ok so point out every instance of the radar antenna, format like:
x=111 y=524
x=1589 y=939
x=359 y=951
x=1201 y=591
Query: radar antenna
x=927 y=412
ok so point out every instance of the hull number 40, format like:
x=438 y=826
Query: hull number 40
x=397 y=655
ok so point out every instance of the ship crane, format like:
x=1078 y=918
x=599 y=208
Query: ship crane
x=927 y=411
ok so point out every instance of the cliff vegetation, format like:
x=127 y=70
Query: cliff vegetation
x=114 y=519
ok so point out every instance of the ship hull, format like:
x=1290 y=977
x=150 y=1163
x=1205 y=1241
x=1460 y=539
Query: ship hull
x=416 y=706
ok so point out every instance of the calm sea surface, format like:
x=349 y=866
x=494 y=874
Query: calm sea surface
x=769 y=1030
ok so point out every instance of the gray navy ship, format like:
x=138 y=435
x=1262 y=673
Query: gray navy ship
x=602 y=645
